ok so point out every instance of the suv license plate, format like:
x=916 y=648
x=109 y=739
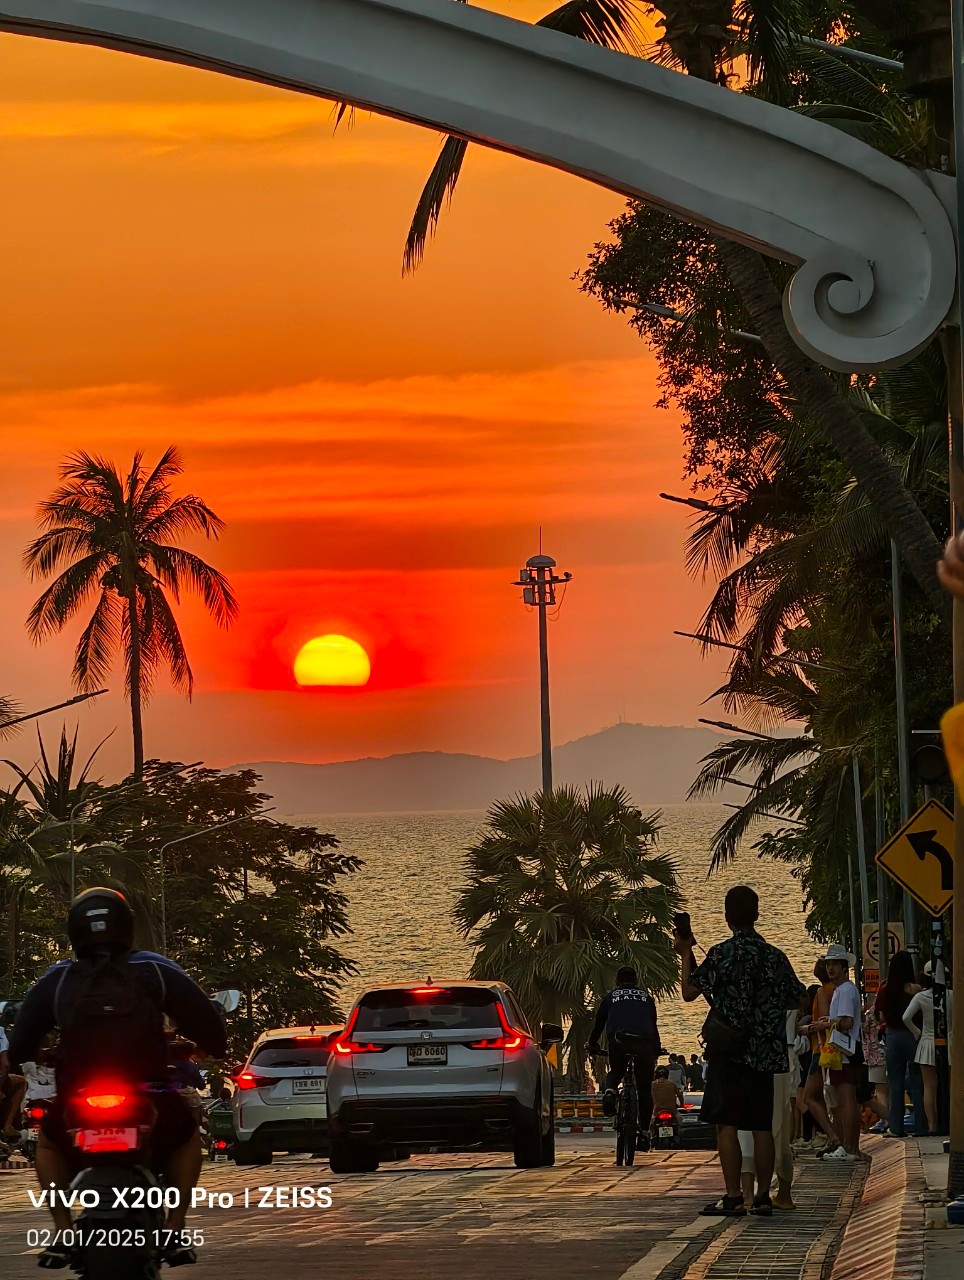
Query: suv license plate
x=313 y=1084
x=428 y=1055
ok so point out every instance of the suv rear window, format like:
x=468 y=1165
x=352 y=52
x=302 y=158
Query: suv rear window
x=294 y=1053
x=448 y=1009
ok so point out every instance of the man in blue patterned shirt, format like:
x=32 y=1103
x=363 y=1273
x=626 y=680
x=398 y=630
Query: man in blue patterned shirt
x=749 y=986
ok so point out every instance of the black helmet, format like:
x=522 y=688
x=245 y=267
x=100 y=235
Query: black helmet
x=100 y=919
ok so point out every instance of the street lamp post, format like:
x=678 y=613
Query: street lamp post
x=191 y=835
x=538 y=583
x=114 y=791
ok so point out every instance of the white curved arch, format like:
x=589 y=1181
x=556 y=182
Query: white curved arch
x=871 y=237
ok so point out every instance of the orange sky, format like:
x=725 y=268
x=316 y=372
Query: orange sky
x=198 y=260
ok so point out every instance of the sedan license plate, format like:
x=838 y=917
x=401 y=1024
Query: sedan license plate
x=665 y=1131
x=312 y=1084
x=108 y=1139
x=428 y=1055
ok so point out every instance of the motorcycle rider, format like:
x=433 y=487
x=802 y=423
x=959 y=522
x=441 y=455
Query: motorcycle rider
x=667 y=1095
x=100 y=926
x=630 y=1009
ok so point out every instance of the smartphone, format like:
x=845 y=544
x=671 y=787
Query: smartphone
x=681 y=923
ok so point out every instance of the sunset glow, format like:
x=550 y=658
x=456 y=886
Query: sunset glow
x=372 y=442
x=332 y=660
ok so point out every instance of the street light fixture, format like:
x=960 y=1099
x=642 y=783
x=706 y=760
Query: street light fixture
x=32 y=715
x=113 y=791
x=538 y=583
x=191 y=835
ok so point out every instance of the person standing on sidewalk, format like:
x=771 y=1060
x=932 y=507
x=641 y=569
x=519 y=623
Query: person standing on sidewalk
x=922 y=1006
x=784 y=1088
x=876 y=1064
x=844 y=1027
x=749 y=985
x=900 y=1046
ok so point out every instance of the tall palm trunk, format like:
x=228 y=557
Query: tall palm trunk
x=137 y=725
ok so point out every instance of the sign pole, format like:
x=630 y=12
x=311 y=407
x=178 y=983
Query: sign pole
x=861 y=844
x=881 y=879
x=903 y=739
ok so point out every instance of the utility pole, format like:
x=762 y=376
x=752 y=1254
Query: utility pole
x=903 y=738
x=538 y=583
x=934 y=69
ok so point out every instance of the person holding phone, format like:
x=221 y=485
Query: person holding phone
x=749 y=986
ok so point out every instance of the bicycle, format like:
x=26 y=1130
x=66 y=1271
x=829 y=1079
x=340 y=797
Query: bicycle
x=626 y=1119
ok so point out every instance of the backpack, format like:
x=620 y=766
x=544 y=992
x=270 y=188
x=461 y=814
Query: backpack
x=110 y=1015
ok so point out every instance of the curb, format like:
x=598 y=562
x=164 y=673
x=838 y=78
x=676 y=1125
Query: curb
x=581 y=1128
x=884 y=1239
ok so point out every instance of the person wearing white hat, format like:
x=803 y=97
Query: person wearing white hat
x=922 y=1005
x=844 y=1024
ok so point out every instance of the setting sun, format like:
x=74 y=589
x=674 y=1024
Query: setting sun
x=332 y=660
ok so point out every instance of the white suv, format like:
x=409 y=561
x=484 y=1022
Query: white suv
x=279 y=1099
x=450 y=1065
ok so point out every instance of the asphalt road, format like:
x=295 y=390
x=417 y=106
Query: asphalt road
x=467 y=1217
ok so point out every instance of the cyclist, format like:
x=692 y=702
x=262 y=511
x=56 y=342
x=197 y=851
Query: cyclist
x=629 y=1010
x=100 y=925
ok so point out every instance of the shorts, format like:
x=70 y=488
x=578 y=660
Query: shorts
x=853 y=1070
x=175 y=1126
x=739 y=1096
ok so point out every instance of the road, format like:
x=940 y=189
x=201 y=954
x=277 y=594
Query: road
x=473 y=1217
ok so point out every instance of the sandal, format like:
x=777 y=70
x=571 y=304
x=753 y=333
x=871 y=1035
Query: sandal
x=762 y=1207
x=54 y=1257
x=725 y=1207
x=179 y=1255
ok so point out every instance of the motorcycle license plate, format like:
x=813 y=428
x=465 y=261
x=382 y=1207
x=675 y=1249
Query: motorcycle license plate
x=665 y=1131
x=33 y=1135
x=123 y=1139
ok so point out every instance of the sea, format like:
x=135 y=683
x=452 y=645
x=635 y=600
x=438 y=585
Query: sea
x=400 y=902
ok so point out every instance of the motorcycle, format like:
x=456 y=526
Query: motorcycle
x=664 y=1130
x=120 y=1233
x=33 y=1114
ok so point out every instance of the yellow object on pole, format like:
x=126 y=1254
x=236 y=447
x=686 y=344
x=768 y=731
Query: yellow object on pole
x=552 y=1056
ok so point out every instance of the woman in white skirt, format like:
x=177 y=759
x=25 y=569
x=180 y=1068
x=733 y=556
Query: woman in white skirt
x=922 y=1005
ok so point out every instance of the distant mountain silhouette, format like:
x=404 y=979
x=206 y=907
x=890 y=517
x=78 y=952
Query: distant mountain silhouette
x=656 y=765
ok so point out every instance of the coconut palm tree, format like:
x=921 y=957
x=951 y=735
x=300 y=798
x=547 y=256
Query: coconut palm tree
x=562 y=889
x=9 y=710
x=112 y=538
x=702 y=38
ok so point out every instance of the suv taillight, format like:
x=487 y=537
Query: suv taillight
x=345 y=1045
x=510 y=1039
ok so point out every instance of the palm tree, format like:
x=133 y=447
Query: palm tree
x=109 y=536
x=9 y=710
x=563 y=888
x=702 y=38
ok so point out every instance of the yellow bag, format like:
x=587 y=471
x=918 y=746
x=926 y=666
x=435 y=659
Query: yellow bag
x=831 y=1059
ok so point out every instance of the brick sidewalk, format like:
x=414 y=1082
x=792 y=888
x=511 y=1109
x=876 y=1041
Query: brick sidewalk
x=852 y=1223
